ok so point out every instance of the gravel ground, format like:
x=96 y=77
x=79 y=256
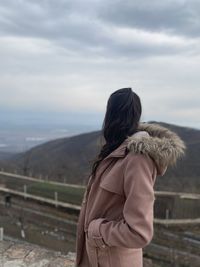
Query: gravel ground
x=15 y=253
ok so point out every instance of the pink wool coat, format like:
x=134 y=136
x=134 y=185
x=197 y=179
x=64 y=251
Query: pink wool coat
x=116 y=217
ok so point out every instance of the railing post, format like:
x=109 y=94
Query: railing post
x=1 y=233
x=167 y=215
x=1 y=248
x=56 y=198
x=25 y=191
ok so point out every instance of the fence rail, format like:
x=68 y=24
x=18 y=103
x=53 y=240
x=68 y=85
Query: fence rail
x=65 y=204
x=33 y=179
x=41 y=199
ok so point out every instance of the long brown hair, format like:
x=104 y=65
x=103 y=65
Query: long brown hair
x=123 y=113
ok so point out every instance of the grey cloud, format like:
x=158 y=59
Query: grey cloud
x=66 y=49
x=87 y=27
x=60 y=22
x=180 y=17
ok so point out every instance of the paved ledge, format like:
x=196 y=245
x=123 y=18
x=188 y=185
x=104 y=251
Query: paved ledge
x=15 y=253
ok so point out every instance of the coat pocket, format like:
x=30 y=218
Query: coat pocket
x=98 y=257
x=113 y=184
x=113 y=256
x=91 y=252
x=129 y=257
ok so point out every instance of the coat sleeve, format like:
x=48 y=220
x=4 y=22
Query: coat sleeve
x=135 y=229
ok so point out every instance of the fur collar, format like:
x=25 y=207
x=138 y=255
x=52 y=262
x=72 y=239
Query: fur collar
x=164 y=146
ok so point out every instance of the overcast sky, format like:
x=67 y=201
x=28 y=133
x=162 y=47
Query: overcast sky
x=67 y=57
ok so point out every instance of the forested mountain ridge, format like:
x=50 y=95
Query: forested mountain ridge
x=69 y=160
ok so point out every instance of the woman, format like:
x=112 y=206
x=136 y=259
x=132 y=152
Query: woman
x=116 y=218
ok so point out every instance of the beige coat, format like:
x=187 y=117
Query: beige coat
x=116 y=218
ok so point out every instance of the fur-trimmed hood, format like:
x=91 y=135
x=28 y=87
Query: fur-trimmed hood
x=164 y=146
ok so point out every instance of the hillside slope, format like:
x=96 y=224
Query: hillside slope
x=69 y=160
x=65 y=159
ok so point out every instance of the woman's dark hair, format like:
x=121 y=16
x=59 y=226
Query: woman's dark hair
x=123 y=113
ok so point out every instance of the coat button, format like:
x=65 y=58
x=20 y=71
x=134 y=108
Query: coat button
x=103 y=246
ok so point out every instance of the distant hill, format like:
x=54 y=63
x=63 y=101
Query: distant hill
x=5 y=155
x=64 y=159
x=69 y=160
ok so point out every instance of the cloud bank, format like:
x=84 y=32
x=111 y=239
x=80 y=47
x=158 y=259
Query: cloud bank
x=71 y=55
